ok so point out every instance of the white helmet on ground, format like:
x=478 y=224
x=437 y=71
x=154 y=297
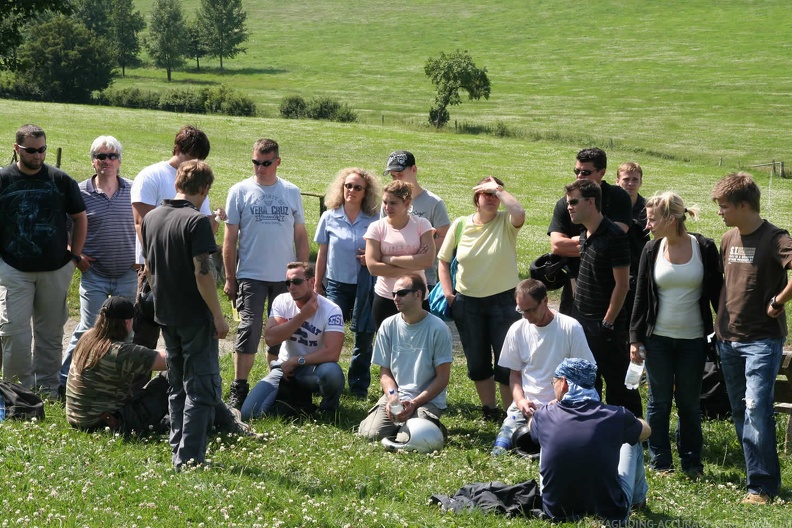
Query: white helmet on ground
x=423 y=436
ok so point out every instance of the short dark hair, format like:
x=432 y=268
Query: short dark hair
x=416 y=282
x=588 y=189
x=536 y=289
x=265 y=146
x=193 y=176
x=192 y=142
x=476 y=195
x=307 y=267
x=26 y=131
x=594 y=155
x=738 y=187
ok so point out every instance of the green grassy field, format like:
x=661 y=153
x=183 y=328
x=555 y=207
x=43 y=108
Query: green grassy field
x=675 y=86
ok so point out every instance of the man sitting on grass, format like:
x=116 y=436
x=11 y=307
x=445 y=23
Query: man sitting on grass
x=103 y=388
x=591 y=461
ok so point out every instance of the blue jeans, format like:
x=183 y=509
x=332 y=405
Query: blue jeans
x=750 y=370
x=195 y=389
x=632 y=475
x=326 y=379
x=94 y=290
x=359 y=374
x=674 y=368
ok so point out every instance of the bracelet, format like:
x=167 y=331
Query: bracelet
x=775 y=305
x=606 y=325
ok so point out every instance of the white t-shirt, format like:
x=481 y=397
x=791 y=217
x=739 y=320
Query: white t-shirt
x=397 y=242
x=679 y=289
x=152 y=185
x=412 y=352
x=266 y=216
x=538 y=350
x=310 y=336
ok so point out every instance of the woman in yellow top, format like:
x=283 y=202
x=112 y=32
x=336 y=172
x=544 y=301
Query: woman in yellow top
x=483 y=305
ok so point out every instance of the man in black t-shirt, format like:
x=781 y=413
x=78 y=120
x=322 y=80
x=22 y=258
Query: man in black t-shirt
x=37 y=261
x=177 y=242
x=590 y=164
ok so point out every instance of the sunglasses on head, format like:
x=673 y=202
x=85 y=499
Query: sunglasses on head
x=353 y=187
x=112 y=156
x=579 y=172
x=31 y=150
x=296 y=282
x=266 y=163
x=403 y=292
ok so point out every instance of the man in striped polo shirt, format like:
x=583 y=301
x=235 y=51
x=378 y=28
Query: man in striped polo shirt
x=108 y=257
x=602 y=285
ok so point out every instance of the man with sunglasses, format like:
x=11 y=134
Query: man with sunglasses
x=152 y=185
x=534 y=346
x=413 y=350
x=311 y=328
x=590 y=164
x=37 y=261
x=108 y=257
x=425 y=203
x=265 y=231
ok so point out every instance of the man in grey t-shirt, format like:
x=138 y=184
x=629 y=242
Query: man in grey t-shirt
x=401 y=166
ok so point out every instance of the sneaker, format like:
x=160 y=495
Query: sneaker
x=757 y=498
x=238 y=392
x=492 y=414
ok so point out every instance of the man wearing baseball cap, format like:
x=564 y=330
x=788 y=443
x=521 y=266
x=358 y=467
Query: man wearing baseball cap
x=591 y=460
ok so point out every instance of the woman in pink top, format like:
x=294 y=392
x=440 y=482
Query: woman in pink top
x=395 y=245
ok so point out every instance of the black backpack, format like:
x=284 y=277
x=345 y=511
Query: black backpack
x=714 y=399
x=20 y=403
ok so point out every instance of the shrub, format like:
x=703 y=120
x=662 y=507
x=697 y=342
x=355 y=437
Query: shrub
x=293 y=107
x=224 y=100
x=131 y=98
x=181 y=100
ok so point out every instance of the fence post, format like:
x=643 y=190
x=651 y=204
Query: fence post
x=58 y=158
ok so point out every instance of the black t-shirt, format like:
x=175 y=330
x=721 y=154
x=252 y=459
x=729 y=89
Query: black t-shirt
x=638 y=233
x=580 y=458
x=607 y=248
x=33 y=217
x=172 y=235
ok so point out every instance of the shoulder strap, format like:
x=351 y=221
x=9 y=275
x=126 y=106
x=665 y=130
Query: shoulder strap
x=459 y=225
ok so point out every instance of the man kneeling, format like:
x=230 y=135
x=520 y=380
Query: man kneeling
x=105 y=387
x=413 y=350
x=312 y=331
x=591 y=461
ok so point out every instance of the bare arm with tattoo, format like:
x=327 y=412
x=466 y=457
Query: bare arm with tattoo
x=206 y=287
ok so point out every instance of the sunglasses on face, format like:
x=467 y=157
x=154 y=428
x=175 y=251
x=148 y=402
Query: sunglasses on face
x=583 y=172
x=264 y=163
x=112 y=156
x=296 y=282
x=31 y=150
x=403 y=292
x=353 y=187
x=575 y=201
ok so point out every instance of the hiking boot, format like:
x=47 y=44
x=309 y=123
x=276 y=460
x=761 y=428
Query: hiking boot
x=492 y=414
x=757 y=498
x=238 y=392
x=241 y=428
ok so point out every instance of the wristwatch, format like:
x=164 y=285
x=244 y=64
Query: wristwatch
x=301 y=361
x=775 y=305
x=606 y=325
x=76 y=258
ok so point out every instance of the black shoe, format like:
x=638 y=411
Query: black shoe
x=492 y=414
x=238 y=392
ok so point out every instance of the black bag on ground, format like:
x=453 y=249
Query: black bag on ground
x=714 y=398
x=21 y=403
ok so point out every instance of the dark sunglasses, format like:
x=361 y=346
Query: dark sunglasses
x=112 y=156
x=31 y=150
x=578 y=172
x=353 y=187
x=405 y=291
x=575 y=201
x=266 y=163
x=296 y=282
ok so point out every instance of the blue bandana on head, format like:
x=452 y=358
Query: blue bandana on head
x=580 y=375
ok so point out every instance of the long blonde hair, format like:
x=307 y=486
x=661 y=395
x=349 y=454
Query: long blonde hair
x=334 y=197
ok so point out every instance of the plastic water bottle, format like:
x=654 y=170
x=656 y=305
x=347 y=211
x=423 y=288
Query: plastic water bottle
x=394 y=403
x=503 y=442
x=633 y=377
x=2 y=409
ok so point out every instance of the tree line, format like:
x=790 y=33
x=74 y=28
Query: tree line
x=64 y=50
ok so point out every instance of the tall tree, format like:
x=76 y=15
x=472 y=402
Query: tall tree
x=449 y=74
x=95 y=15
x=196 y=47
x=64 y=61
x=125 y=24
x=167 y=41
x=223 y=24
x=14 y=14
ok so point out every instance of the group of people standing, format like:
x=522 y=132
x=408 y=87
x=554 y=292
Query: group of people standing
x=381 y=251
